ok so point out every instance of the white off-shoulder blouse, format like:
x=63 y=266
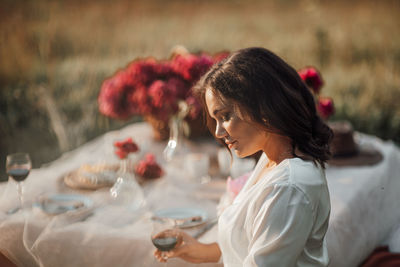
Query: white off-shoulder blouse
x=279 y=221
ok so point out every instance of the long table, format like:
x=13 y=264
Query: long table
x=364 y=208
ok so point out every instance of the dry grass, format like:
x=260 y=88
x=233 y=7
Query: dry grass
x=70 y=47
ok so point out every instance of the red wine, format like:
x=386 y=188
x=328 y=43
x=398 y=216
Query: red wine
x=165 y=243
x=18 y=174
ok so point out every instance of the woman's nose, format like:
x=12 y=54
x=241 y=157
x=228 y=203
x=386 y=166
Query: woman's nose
x=220 y=131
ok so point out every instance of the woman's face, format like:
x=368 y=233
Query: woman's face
x=241 y=134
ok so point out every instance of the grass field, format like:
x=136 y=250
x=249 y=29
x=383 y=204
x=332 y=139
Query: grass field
x=55 y=54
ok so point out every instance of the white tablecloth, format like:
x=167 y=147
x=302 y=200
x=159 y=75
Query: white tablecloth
x=365 y=205
x=364 y=209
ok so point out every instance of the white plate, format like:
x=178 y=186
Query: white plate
x=181 y=214
x=60 y=203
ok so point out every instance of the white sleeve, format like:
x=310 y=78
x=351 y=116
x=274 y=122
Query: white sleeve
x=280 y=223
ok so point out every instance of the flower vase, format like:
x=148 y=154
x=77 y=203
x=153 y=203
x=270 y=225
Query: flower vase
x=176 y=144
x=160 y=128
x=126 y=191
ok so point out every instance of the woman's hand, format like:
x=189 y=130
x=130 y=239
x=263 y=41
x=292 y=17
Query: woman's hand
x=189 y=249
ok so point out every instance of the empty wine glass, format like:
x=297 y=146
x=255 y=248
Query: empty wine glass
x=18 y=166
x=163 y=236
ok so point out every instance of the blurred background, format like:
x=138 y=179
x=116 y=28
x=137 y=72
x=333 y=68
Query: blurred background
x=54 y=56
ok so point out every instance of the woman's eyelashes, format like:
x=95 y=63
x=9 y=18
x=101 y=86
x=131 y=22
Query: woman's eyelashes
x=226 y=116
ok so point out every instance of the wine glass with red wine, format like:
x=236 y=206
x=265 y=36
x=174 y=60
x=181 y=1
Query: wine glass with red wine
x=164 y=237
x=18 y=166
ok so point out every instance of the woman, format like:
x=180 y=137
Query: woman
x=255 y=101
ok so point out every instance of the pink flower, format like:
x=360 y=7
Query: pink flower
x=143 y=72
x=164 y=70
x=179 y=86
x=121 y=154
x=312 y=78
x=195 y=107
x=220 y=56
x=165 y=95
x=191 y=67
x=114 y=96
x=325 y=107
x=123 y=148
x=149 y=168
x=159 y=93
x=150 y=87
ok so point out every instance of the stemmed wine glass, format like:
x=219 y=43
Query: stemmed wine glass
x=18 y=166
x=163 y=235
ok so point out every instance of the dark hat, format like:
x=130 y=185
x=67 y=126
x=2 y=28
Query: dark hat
x=346 y=152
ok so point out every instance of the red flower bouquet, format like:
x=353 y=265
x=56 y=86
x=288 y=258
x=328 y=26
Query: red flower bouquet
x=148 y=168
x=123 y=148
x=313 y=79
x=152 y=88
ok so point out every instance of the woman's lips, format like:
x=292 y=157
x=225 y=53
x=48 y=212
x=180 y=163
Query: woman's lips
x=230 y=144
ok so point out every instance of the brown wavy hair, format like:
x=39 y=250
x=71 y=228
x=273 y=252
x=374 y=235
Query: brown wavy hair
x=274 y=96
